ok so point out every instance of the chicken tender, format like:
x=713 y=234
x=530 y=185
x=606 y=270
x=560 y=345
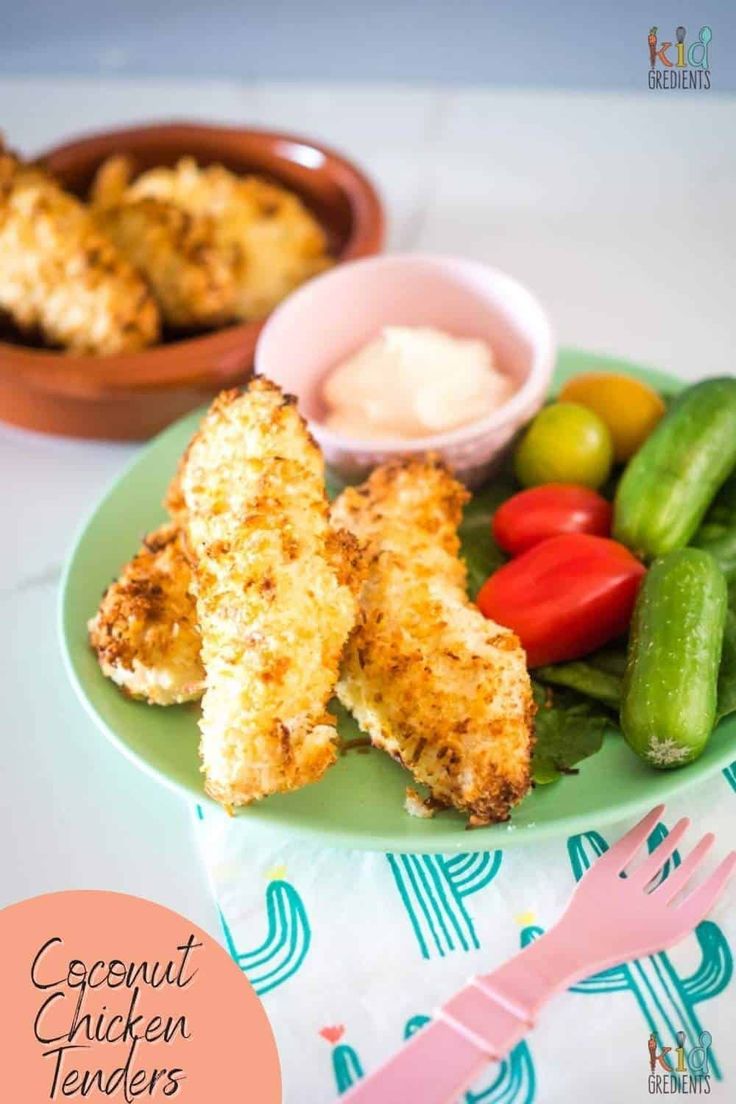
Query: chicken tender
x=278 y=242
x=145 y=632
x=193 y=280
x=272 y=583
x=111 y=181
x=429 y=679
x=60 y=276
x=191 y=276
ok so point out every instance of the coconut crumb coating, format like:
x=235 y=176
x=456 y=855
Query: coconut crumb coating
x=439 y=687
x=145 y=632
x=277 y=242
x=274 y=588
x=60 y=277
x=192 y=278
x=193 y=281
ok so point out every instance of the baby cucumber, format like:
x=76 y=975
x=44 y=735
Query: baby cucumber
x=670 y=688
x=671 y=481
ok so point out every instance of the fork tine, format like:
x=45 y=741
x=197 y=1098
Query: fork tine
x=624 y=849
x=654 y=863
x=699 y=903
x=679 y=877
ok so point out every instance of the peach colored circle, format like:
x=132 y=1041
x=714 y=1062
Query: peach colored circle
x=230 y=1054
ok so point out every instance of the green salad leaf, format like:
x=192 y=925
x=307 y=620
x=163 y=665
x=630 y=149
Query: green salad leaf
x=334 y=483
x=727 y=674
x=612 y=659
x=717 y=534
x=479 y=550
x=582 y=676
x=598 y=676
x=722 y=510
x=569 y=728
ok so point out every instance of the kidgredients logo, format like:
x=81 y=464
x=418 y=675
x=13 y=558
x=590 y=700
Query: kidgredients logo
x=680 y=64
x=677 y=1069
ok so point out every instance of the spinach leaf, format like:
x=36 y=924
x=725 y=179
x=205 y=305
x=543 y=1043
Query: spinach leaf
x=334 y=483
x=569 y=728
x=586 y=678
x=722 y=510
x=598 y=676
x=479 y=550
x=727 y=674
x=717 y=534
x=612 y=659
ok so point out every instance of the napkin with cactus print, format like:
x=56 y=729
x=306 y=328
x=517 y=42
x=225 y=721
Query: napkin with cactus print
x=351 y=951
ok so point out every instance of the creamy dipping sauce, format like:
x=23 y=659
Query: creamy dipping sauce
x=413 y=381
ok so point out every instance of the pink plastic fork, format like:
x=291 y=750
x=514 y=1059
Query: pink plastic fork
x=610 y=919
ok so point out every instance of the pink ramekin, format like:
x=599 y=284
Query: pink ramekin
x=329 y=318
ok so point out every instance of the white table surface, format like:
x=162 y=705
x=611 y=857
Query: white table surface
x=618 y=210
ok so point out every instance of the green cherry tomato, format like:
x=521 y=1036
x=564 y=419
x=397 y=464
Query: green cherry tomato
x=566 y=443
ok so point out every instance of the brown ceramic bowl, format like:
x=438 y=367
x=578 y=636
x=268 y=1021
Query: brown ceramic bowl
x=131 y=396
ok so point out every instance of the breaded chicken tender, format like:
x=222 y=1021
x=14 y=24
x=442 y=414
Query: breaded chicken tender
x=60 y=276
x=193 y=281
x=429 y=679
x=145 y=632
x=191 y=276
x=278 y=242
x=111 y=181
x=272 y=583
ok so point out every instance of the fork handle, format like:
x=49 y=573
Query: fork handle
x=480 y=1024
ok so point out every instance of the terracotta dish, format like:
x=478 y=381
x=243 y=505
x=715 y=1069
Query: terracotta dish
x=132 y=396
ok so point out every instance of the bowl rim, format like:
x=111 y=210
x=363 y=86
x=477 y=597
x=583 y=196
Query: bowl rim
x=537 y=381
x=164 y=367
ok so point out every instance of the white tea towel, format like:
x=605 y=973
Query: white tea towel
x=350 y=952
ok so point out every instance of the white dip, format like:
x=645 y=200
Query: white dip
x=413 y=381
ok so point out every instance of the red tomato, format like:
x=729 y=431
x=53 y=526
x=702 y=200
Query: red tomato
x=564 y=597
x=532 y=516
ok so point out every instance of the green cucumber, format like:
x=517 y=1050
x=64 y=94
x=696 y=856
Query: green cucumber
x=671 y=481
x=670 y=689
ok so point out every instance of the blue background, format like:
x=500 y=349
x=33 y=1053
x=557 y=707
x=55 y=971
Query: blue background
x=527 y=43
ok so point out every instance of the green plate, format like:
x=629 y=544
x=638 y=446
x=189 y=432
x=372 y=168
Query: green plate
x=360 y=801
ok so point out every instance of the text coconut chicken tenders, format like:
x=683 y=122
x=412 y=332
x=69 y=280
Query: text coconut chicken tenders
x=425 y=674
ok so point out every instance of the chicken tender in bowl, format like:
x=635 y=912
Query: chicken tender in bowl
x=60 y=276
x=192 y=276
x=278 y=242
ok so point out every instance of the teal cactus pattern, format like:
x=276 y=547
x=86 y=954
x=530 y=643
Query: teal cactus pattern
x=434 y=889
x=413 y=1025
x=730 y=774
x=346 y=1066
x=286 y=944
x=667 y=1001
x=513 y=1081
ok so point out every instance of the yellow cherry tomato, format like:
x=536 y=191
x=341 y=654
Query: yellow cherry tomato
x=630 y=408
x=565 y=443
